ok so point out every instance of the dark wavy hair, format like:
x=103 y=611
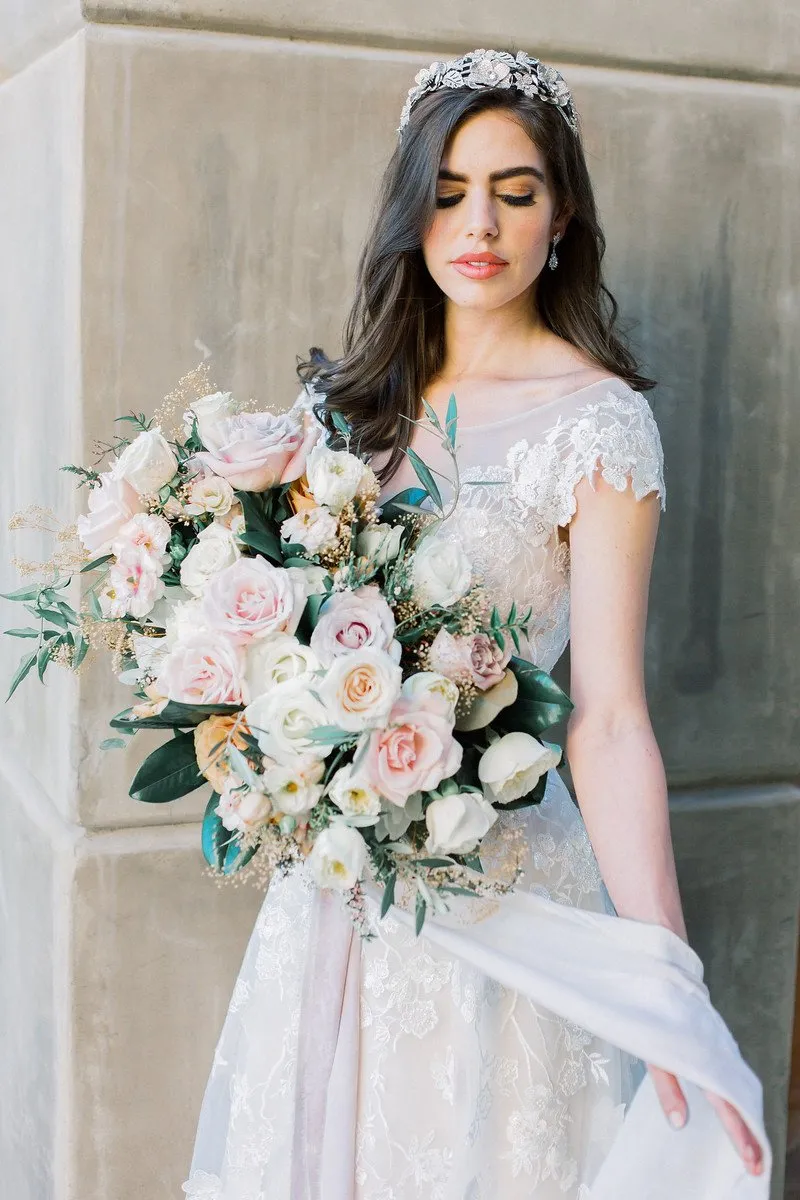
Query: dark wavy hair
x=393 y=338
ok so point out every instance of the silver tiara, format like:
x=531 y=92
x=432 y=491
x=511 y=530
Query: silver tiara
x=493 y=68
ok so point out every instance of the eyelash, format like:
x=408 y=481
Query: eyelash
x=517 y=201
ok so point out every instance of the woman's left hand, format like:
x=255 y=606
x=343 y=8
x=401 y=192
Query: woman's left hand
x=676 y=1109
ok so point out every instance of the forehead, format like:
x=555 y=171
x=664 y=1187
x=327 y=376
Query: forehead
x=490 y=141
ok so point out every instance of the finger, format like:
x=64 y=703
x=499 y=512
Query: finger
x=739 y=1133
x=670 y=1096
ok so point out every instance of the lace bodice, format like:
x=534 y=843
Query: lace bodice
x=518 y=477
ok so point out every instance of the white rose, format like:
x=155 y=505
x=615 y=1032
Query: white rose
x=282 y=720
x=147 y=463
x=240 y=809
x=380 y=543
x=294 y=791
x=353 y=794
x=513 y=765
x=216 y=547
x=360 y=689
x=275 y=660
x=337 y=857
x=312 y=528
x=209 y=494
x=457 y=823
x=428 y=689
x=441 y=573
x=316 y=578
x=334 y=476
x=210 y=409
x=184 y=620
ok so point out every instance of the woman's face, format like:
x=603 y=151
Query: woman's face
x=512 y=217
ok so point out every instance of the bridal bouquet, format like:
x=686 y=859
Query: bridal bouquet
x=328 y=665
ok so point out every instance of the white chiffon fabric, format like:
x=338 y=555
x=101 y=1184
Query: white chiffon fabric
x=499 y=1054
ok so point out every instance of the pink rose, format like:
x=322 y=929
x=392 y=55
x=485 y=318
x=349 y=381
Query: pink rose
x=354 y=621
x=477 y=658
x=414 y=753
x=111 y=506
x=254 y=451
x=296 y=465
x=252 y=599
x=204 y=668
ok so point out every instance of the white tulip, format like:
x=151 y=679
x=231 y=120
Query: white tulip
x=513 y=765
x=457 y=823
x=380 y=543
x=429 y=688
x=354 y=795
x=337 y=857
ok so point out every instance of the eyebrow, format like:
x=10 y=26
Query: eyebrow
x=508 y=173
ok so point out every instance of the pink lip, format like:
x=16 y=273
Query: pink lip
x=484 y=271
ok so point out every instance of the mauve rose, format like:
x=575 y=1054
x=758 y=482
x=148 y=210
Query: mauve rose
x=252 y=599
x=254 y=451
x=203 y=668
x=111 y=505
x=475 y=658
x=356 y=620
x=414 y=753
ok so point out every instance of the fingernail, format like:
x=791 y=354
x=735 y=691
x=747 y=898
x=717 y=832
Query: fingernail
x=676 y=1119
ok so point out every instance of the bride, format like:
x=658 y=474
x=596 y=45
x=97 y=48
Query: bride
x=535 y=1053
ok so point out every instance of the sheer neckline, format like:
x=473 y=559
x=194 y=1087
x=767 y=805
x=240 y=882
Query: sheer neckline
x=528 y=412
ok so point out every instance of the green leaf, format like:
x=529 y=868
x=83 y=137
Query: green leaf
x=22 y=594
x=113 y=744
x=54 y=617
x=42 y=659
x=432 y=417
x=265 y=542
x=67 y=611
x=168 y=773
x=330 y=735
x=434 y=862
x=421 y=909
x=25 y=664
x=173 y=716
x=94 y=605
x=451 y=421
x=540 y=703
x=96 y=562
x=341 y=423
x=409 y=500
x=24 y=633
x=387 y=899
x=221 y=848
x=425 y=477
x=80 y=652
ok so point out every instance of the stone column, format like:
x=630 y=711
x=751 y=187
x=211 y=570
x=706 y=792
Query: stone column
x=182 y=182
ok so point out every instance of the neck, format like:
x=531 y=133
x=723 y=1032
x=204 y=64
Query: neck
x=481 y=343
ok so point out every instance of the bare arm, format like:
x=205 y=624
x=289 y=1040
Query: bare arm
x=613 y=754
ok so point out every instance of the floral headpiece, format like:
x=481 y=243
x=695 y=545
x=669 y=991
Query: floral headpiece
x=493 y=68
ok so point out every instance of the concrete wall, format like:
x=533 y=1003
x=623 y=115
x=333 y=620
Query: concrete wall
x=173 y=193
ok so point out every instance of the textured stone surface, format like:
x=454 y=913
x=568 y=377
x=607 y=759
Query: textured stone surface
x=737 y=852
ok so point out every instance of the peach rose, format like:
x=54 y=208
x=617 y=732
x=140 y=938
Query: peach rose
x=207 y=735
x=414 y=753
x=254 y=451
x=203 y=668
x=252 y=599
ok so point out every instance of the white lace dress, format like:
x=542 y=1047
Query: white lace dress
x=392 y=1069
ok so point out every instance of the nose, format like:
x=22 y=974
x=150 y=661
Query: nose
x=481 y=216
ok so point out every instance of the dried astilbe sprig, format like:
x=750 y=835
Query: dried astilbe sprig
x=191 y=386
x=70 y=556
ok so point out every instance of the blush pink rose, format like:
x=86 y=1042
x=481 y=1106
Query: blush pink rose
x=254 y=451
x=111 y=506
x=476 y=658
x=414 y=753
x=203 y=668
x=251 y=599
x=358 y=620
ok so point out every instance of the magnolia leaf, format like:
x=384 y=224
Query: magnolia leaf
x=169 y=772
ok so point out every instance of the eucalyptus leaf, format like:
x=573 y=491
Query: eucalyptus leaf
x=96 y=562
x=387 y=900
x=22 y=633
x=21 y=594
x=419 y=919
x=425 y=477
x=451 y=421
x=24 y=666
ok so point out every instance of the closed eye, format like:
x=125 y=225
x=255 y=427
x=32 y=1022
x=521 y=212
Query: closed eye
x=450 y=201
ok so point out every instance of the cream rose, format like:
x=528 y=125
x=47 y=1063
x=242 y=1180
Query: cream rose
x=274 y=660
x=337 y=857
x=112 y=503
x=209 y=410
x=428 y=689
x=441 y=573
x=360 y=689
x=209 y=494
x=252 y=599
x=456 y=823
x=253 y=451
x=334 y=476
x=282 y=721
x=215 y=548
x=354 y=794
x=354 y=621
x=204 y=668
x=312 y=528
x=380 y=543
x=414 y=753
x=240 y=809
x=294 y=791
x=513 y=765
x=147 y=463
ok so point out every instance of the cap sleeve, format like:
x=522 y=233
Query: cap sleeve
x=616 y=435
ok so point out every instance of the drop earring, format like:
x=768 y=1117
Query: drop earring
x=552 y=261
